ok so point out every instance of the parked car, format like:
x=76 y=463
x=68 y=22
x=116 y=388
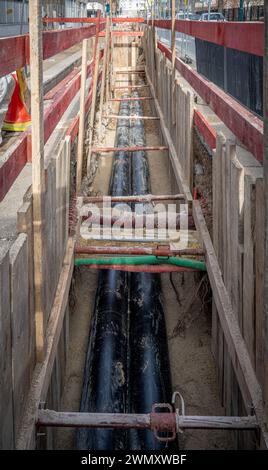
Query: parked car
x=187 y=16
x=212 y=17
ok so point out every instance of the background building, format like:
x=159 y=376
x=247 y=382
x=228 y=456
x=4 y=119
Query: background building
x=14 y=13
x=132 y=8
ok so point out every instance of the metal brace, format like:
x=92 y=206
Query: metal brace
x=177 y=395
x=163 y=422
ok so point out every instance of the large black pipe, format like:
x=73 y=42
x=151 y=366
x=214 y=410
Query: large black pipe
x=149 y=372
x=105 y=375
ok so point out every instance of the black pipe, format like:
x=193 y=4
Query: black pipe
x=149 y=371
x=105 y=375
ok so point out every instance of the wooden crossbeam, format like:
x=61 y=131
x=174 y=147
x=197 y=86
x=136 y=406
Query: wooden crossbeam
x=129 y=72
x=129 y=69
x=130 y=87
x=145 y=118
x=128 y=149
x=137 y=198
x=143 y=268
x=132 y=98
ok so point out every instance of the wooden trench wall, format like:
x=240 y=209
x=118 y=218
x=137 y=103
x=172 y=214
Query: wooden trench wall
x=238 y=230
x=17 y=315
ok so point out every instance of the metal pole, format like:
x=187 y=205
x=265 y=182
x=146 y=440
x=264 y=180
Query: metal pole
x=209 y=9
x=265 y=181
x=21 y=18
x=241 y=10
x=112 y=250
x=154 y=421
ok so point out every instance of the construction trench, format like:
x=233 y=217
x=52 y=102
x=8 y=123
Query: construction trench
x=130 y=361
x=143 y=343
x=127 y=360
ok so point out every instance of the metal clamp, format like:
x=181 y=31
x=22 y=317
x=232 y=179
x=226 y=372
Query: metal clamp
x=163 y=422
x=177 y=395
x=163 y=247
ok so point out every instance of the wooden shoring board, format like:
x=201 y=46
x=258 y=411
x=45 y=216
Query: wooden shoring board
x=168 y=141
x=104 y=69
x=42 y=372
x=245 y=374
x=38 y=171
x=6 y=387
x=250 y=229
x=82 y=112
x=93 y=102
x=259 y=272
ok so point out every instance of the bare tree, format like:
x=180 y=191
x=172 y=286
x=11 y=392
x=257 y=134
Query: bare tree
x=220 y=5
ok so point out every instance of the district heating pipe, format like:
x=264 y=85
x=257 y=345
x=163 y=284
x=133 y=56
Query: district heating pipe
x=105 y=387
x=149 y=371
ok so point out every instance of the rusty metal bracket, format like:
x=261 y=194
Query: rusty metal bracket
x=163 y=247
x=163 y=421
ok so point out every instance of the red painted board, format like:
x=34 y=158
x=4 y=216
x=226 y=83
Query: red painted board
x=72 y=20
x=205 y=129
x=21 y=152
x=57 y=41
x=247 y=127
x=74 y=127
x=243 y=36
x=51 y=94
x=124 y=33
x=128 y=20
x=14 y=51
x=13 y=165
x=12 y=54
x=61 y=102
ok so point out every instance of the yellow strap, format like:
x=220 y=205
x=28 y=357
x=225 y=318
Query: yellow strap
x=16 y=127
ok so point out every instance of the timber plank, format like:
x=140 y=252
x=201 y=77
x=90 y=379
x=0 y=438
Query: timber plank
x=6 y=389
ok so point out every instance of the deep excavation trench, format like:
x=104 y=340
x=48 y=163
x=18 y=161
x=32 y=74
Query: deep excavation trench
x=119 y=351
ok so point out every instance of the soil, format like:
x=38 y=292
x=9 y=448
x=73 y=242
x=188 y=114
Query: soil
x=203 y=178
x=192 y=368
